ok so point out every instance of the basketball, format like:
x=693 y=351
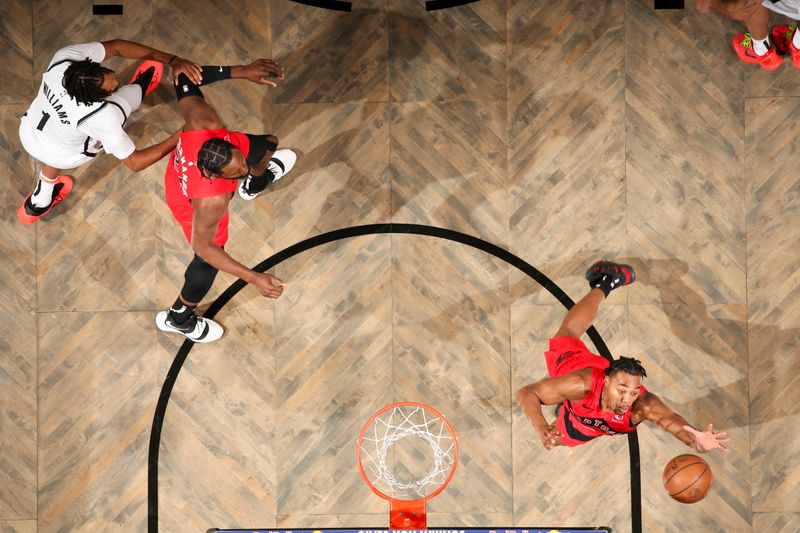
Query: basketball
x=687 y=478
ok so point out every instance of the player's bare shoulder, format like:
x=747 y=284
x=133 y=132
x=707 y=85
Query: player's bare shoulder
x=643 y=406
x=576 y=384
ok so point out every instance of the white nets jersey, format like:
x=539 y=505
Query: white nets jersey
x=68 y=129
x=790 y=8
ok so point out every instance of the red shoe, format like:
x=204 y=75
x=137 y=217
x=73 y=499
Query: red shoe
x=29 y=213
x=157 y=72
x=620 y=273
x=782 y=37
x=743 y=46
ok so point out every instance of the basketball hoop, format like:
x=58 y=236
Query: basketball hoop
x=407 y=453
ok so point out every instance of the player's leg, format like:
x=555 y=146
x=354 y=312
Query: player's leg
x=603 y=277
x=268 y=165
x=51 y=188
x=582 y=315
x=181 y=317
x=753 y=46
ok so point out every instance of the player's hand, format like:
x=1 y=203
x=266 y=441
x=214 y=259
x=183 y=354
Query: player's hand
x=707 y=440
x=192 y=71
x=703 y=6
x=261 y=71
x=267 y=285
x=550 y=436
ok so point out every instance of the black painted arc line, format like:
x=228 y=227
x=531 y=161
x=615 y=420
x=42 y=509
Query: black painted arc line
x=347 y=233
x=334 y=5
x=433 y=5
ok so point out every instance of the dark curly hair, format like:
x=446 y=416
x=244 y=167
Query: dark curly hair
x=629 y=365
x=83 y=79
x=214 y=154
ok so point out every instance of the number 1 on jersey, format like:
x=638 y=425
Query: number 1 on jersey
x=45 y=118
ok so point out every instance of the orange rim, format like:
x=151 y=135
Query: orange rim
x=427 y=408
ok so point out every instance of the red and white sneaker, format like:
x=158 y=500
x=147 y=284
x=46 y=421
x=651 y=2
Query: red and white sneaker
x=158 y=71
x=782 y=37
x=29 y=213
x=620 y=274
x=743 y=46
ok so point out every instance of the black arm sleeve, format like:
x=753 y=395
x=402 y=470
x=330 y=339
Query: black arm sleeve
x=259 y=145
x=210 y=73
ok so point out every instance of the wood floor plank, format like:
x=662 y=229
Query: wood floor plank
x=95 y=411
x=16 y=51
x=446 y=176
x=684 y=156
x=18 y=407
x=779 y=522
x=773 y=283
x=330 y=56
x=454 y=54
x=566 y=152
x=18 y=526
x=341 y=178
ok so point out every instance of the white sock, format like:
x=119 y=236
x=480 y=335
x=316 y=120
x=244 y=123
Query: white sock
x=761 y=47
x=43 y=194
x=796 y=38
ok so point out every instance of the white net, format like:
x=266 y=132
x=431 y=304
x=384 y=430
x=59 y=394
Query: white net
x=407 y=452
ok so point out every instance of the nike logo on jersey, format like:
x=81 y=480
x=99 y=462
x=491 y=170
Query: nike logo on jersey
x=220 y=69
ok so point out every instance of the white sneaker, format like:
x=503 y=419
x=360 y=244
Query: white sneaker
x=281 y=162
x=196 y=329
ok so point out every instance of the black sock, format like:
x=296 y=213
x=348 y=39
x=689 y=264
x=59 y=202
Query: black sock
x=605 y=284
x=143 y=80
x=259 y=183
x=180 y=312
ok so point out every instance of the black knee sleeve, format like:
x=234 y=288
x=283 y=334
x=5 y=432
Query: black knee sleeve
x=186 y=87
x=198 y=278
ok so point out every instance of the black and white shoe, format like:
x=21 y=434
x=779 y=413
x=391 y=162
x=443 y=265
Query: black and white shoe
x=281 y=162
x=607 y=275
x=197 y=328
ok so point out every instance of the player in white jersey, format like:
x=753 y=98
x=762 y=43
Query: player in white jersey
x=80 y=109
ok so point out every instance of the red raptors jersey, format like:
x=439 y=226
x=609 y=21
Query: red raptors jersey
x=183 y=180
x=583 y=420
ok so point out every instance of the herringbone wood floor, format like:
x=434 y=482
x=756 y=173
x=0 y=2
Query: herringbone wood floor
x=562 y=131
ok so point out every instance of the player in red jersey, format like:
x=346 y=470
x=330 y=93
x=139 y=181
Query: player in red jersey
x=209 y=164
x=596 y=397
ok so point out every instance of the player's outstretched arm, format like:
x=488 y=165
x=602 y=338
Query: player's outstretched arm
x=551 y=391
x=132 y=50
x=207 y=214
x=651 y=408
x=141 y=159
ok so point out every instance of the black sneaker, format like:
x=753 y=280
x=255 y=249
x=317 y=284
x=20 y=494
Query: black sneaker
x=281 y=162
x=196 y=328
x=619 y=274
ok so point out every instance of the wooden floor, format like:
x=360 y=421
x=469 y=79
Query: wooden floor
x=563 y=131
